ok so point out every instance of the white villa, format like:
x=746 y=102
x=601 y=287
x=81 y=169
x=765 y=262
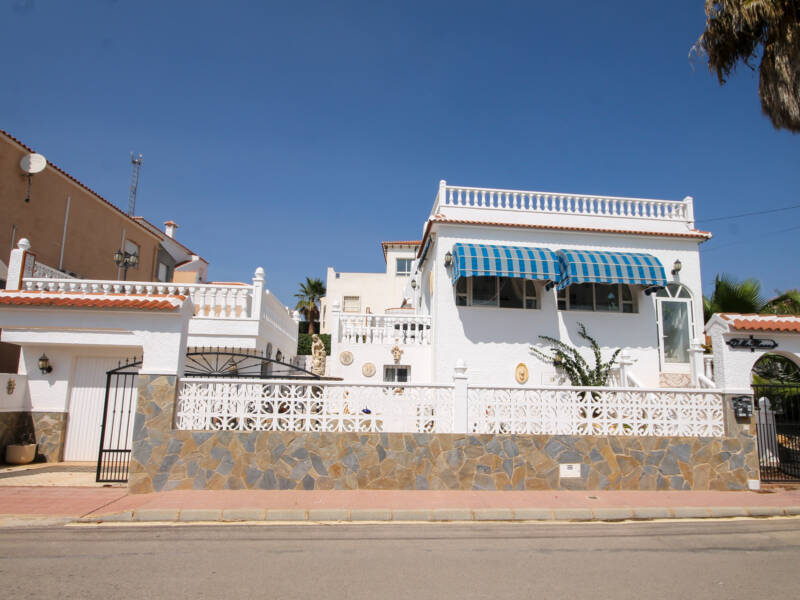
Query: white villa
x=431 y=383
x=496 y=268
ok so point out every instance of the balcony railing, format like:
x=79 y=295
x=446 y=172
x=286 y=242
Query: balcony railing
x=384 y=329
x=557 y=203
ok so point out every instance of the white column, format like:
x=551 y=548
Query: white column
x=696 y=352
x=689 y=201
x=460 y=398
x=20 y=264
x=258 y=293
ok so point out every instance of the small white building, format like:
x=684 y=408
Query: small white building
x=496 y=269
x=371 y=293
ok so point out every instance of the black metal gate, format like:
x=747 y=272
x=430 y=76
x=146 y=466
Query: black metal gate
x=778 y=421
x=117 y=428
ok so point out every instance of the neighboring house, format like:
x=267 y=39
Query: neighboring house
x=498 y=268
x=175 y=261
x=371 y=293
x=73 y=229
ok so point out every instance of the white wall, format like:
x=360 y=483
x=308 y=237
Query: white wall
x=492 y=341
x=733 y=366
x=18 y=400
x=417 y=357
x=378 y=291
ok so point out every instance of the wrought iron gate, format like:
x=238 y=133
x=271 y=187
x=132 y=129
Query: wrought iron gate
x=778 y=422
x=117 y=425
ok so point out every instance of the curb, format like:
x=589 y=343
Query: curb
x=439 y=515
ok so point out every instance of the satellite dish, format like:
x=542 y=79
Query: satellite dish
x=32 y=163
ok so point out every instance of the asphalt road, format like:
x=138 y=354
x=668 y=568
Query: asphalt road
x=720 y=559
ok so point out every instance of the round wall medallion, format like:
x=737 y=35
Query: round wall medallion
x=346 y=358
x=521 y=373
x=368 y=370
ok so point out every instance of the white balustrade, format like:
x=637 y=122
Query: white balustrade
x=596 y=411
x=546 y=202
x=214 y=301
x=276 y=405
x=43 y=271
x=384 y=329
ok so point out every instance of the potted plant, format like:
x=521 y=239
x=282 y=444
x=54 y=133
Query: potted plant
x=23 y=451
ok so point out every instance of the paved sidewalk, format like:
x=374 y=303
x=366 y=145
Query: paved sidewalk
x=114 y=504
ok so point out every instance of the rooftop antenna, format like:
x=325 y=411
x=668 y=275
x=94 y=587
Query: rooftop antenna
x=136 y=166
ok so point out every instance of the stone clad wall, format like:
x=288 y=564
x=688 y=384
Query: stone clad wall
x=166 y=459
x=48 y=428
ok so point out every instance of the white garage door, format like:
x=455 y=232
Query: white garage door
x=86 y=407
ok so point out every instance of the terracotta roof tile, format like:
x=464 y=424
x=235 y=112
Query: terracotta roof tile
x=87 y=300
x=777 y=323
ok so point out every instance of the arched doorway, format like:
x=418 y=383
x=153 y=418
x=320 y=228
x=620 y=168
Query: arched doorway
x=776 y=393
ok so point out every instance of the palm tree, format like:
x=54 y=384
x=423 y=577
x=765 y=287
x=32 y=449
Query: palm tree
x=787 y=303
x=310 y=294
x=741 y=30
x=733 y=296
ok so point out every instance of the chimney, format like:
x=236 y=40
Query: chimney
x=169 y=228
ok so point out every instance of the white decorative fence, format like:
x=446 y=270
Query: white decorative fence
x=596 y=411
x=384 y=329
x=292 y=405
x=577 y=204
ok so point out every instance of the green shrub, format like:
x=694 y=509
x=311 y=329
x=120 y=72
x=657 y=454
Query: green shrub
x=304 y=343
x=304 y=327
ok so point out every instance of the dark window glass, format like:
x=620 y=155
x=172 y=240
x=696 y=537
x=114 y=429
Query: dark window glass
x=512 y=292
x=461 y=291
x=606 y=297
x=562 y=299
x=484 y=291
x=580 y=296
x=530 y=294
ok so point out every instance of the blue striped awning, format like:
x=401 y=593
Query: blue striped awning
x=593 y=266
x=476 y=260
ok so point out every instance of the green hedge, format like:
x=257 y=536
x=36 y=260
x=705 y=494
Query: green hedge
x=304 y=343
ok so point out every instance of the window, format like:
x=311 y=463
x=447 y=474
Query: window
x=404 y=266
x=601 y=297
x=504 y=292
x=351 y=304
x=163 y=272
x=396 y=373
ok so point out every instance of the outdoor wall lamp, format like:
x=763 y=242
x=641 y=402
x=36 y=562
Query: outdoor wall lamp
x=413 y=284
x=44 y=365
x=126 y=261
x=448 y=259
x=676 y=267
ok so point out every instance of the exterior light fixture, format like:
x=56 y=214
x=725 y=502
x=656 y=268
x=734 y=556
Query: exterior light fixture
x=448 y=259
x=44 y=365
x=125 y=260
x=676 y=267
x=413 y=284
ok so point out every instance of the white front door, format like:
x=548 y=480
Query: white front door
x=675 y=328
x=86 y=402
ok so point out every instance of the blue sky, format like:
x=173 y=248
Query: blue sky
x=299 y=135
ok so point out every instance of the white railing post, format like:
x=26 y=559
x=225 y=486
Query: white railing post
x=441 y=197
x=258 y=294
x=20 y=264
x=708 y=363
x=696 y=352
x=460 y=398
x=689 y=208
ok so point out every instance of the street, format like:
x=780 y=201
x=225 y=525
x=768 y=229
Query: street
x=688 y=559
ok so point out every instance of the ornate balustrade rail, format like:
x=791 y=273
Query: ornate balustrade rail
x=384 y=329
x=546 y=202
x=275 y=405
x=43 y=271
x=596 y=411
x=210 y=300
